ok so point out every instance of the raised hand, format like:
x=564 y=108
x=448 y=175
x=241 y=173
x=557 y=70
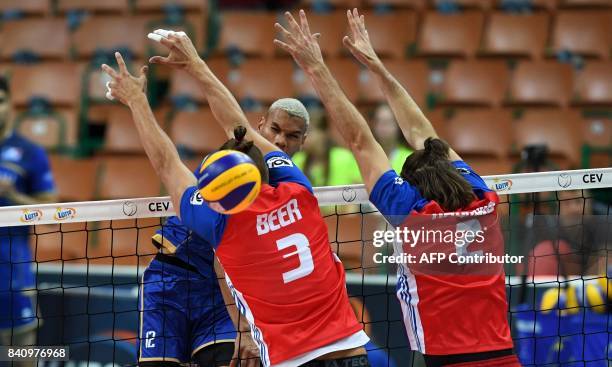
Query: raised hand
x=300 y=42
x=124 y=86
x=182 y=53
x=359 y=41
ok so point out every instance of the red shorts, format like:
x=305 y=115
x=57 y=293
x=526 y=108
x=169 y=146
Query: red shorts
x=505 y=361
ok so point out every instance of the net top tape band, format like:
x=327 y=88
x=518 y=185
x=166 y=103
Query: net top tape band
x=89 y=211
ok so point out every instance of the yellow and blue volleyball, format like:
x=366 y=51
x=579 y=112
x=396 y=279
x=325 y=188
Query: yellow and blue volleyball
x=229 y=181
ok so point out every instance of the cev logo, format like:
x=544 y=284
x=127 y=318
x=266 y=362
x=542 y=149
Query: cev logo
x=64 y=213
x=31 y=215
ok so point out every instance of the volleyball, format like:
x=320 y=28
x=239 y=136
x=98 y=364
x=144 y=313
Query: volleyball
x=229 y=181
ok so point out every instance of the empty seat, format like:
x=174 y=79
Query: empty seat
x=32 y=35
x=184 y=85
x=586 y=3
x=56 y=130
x=391 y=33
x=94 y=6
x=250 y=32
x=28 y=7
x=193 y=24
x=558 y=129
x=412 y=4
x=548 y=5
x=75 y=179
x=512 y=35
x=57 y=242
x=541 y=83
x=466 y=4
x=588 y=33
x=332 y=26
x=46 y=80
x=197 y=132
x=486 y=166
x=450 y=35
x=480 y=133
x=262 y=80
x=158 y=5
x=412 y=75
x=340 y=4
x=479 y=83
x=345 y=71
x=127 y=177
x=110 y=33
x=597 y=139
x=594 y=84
x=127 y=242
x=121 y=135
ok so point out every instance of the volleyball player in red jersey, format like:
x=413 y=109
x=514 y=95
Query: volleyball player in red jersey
x=452 y=317
x=278 y=262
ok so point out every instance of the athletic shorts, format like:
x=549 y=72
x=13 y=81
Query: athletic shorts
x=181 y=312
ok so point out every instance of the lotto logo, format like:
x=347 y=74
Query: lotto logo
x=276 y=162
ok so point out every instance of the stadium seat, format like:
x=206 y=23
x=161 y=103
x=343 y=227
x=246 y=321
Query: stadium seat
x=346 y=72
x=450 y=35
x=585 y=3
x=559 y=129
x=465 y=4
x=250 y=32
x=486 y=166
x=94 y=6
x=27 y=7
x=194 y=24
x=541 y=83
x=196 y=132
x=191 y=6
x=411 y=4
x=547 y=5
x=121 y=135
x=75 y=179
x=332 y=26
x=594 y=84
x=587 y=33
x=413 y=75
x=110 y=33
x=184 y=85
x=338 y=4
x=57 y=242
x=516 y=35
x=127 y=177
x=475 y=83
x=56 y=130
x=392 y=33
x=480 y=133
x=597 y=139
x=32 y=35
x=45 y=80
x=263 y=80
x=126 y=242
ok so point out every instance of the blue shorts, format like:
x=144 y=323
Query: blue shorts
x=181 y=312
x=17 y=310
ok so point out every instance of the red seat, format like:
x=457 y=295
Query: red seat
x=597 y=134
x=94 y=6
x=57 y=130
x=28 y=7
x=44 y=80
x=332 y=26
x=511 y=35
x=32 y=35
x=250 y=32
x=480 y=83
x=412 y=75
x=190 y=6
x=345 y=71
x=450 y=35
x=486 y=166
x=264 y=80
x=75 y=179
x=121 y=135
x=541 y=83
x=558 y=129
x=183 y=84
x=126 y=242
x=586 y=3
x=467 y=4
x=127 y=177
x=110 y=33
x=480 y=133
x=197 y=131
x=594 y=84
x=340 y=4
x=391 y=33
x=588 y=33
x=412 y=4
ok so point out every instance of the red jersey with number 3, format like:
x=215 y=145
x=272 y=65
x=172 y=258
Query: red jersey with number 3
x=284 y=276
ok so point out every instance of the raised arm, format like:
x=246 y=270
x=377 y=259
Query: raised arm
x=162 y=153
x=413 y=123
x=225 y=108
x=304 y=48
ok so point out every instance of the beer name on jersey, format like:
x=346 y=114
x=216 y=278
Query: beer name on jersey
x=278 y=218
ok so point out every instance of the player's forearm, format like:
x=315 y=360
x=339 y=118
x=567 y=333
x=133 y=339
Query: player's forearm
x=222 y=103
x=240 y=322
x=411 y=120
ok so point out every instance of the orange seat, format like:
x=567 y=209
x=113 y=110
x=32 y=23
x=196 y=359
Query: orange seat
x=480 y=83
x=110 y=33
x=339 y=4
x=467 y=4
x=44 y=80
x=588 y=33
x=450 y=35
x=127 y=242
x=158 y=5
x=480 y=133
x=597 y=133
x=194 y=26
x=512 y=35
x=332 y=26
x=486 y=166
x=28 y=7
x=127 y=177
x=548 y=5
x=75 y=179
x=94 y=6
x=586 y=3
x=32 y=35
x=541 y=83
x=558 y=129
x=250 y=32
x=391 y=33
x=594 y=84
x=412 y=4
x=57 y=242
x=345 y=71
x=412 y=75
x=121 y=135
x=57 y=130
x=183 y=84
x=197 y=131
x=261 y=79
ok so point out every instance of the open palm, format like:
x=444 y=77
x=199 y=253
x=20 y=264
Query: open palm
x=359 y=41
